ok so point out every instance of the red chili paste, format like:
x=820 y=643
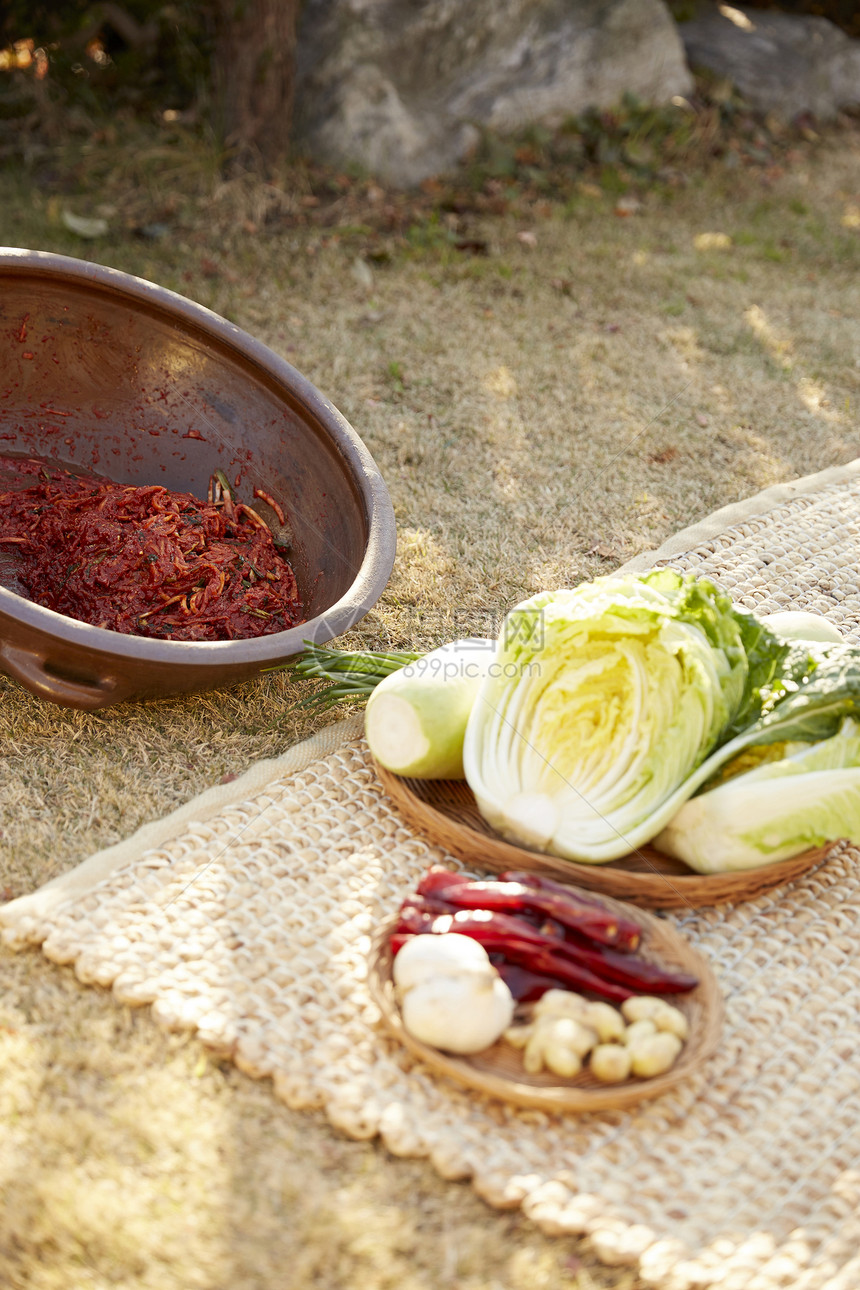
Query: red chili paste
x=145 y=561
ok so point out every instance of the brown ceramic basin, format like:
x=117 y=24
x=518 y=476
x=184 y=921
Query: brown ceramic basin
x=105 y=373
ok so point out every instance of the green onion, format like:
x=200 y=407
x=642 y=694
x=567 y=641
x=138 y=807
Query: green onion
x=353 y=675
x=225 y=483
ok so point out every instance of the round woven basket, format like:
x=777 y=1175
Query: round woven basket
x=498 y=1071
x=445 y=812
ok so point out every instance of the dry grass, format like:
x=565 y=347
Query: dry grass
x=540 y=413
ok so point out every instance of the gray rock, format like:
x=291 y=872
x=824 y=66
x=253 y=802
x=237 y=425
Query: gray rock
x=403 y=87
x=782 y=63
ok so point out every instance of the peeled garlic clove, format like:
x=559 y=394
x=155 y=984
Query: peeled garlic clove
x=560 y=1003
x=517 y=1036
x=567 y=1042
x=610 y=1063
x=654 y=1054
x=431 y=955
x=606 y=1020
x=533 y=1055
x=648 y=1007
x=639 y=1030
x=641 y=1007
x=571 y=1033
x=671 y=1019
x=562 y=1061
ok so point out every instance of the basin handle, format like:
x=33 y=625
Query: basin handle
x=29 y=669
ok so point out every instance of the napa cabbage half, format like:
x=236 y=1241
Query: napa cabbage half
x=774 y=811
x=604 y=701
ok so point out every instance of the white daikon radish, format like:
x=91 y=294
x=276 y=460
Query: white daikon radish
x=415 y=721
x=798 y=625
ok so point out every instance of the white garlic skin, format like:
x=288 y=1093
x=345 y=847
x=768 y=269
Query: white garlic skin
x=432 y=955
x=463 y=1013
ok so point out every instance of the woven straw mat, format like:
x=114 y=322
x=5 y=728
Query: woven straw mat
x=247 y=916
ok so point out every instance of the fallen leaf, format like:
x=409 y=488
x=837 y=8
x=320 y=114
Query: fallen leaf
x=362 y=273
x=501 y=382
x=664 y=455
x=712 y=241
x=475 y=245
x=83 y=227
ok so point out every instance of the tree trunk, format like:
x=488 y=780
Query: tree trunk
x=254 y=77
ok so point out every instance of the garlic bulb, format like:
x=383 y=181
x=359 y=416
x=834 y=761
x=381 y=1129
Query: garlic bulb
x=426 y=956
x=462 y=1012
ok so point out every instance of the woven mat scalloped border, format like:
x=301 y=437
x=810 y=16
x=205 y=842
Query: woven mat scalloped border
x=247 y=915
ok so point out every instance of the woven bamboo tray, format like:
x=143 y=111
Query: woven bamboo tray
x=499 y=1072
x=445 y=812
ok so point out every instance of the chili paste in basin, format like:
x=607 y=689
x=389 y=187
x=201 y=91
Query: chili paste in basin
x=146 y=561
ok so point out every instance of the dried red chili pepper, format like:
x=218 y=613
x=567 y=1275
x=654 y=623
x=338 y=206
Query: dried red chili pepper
x=542 y=883
x=639 y=974
x=541 y=949
x=526 y=986
x=519 y=943
x=588 y=918
x=436 y=879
